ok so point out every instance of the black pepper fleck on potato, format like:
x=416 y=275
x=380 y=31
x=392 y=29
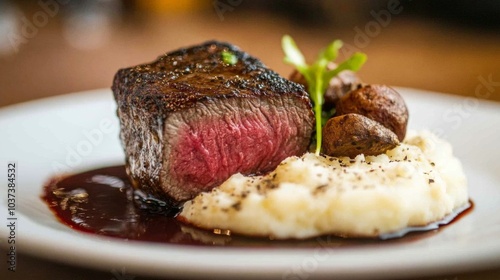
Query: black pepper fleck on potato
x=379 y=103
x=354 y=134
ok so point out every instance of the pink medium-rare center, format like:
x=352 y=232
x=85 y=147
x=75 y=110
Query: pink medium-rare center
x=207 y=150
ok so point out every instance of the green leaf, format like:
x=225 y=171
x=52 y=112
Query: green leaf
x=353 y=63
x=292 y=53
x=229 y=57
x=330 y=53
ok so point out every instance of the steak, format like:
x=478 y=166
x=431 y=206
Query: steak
x=189 y=120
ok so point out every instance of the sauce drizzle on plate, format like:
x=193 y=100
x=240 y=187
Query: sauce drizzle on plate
x=103 y=202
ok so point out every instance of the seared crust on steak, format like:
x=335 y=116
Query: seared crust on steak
x=150 y=95
x=190 y=75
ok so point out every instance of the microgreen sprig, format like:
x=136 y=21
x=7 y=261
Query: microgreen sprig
x=317 y=75
x=229 y=57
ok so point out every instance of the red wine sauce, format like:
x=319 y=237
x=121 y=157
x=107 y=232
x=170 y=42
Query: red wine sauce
x=103 y=202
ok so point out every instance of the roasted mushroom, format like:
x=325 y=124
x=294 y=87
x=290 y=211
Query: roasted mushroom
x=339 y=86
x=379 y=103
x=354 y=134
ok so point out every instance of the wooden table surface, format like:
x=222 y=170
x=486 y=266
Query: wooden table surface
x=409 y=53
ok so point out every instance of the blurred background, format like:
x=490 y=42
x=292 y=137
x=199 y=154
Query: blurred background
x=52 y=47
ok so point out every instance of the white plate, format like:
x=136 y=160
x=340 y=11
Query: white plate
x=45 y=134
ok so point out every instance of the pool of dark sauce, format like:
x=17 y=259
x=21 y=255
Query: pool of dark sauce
x=103 y=202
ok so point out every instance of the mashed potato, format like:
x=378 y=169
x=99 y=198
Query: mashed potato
x=414 y=184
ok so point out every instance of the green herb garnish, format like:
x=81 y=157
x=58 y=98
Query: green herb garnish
x=317 y=75
x=229 y=57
